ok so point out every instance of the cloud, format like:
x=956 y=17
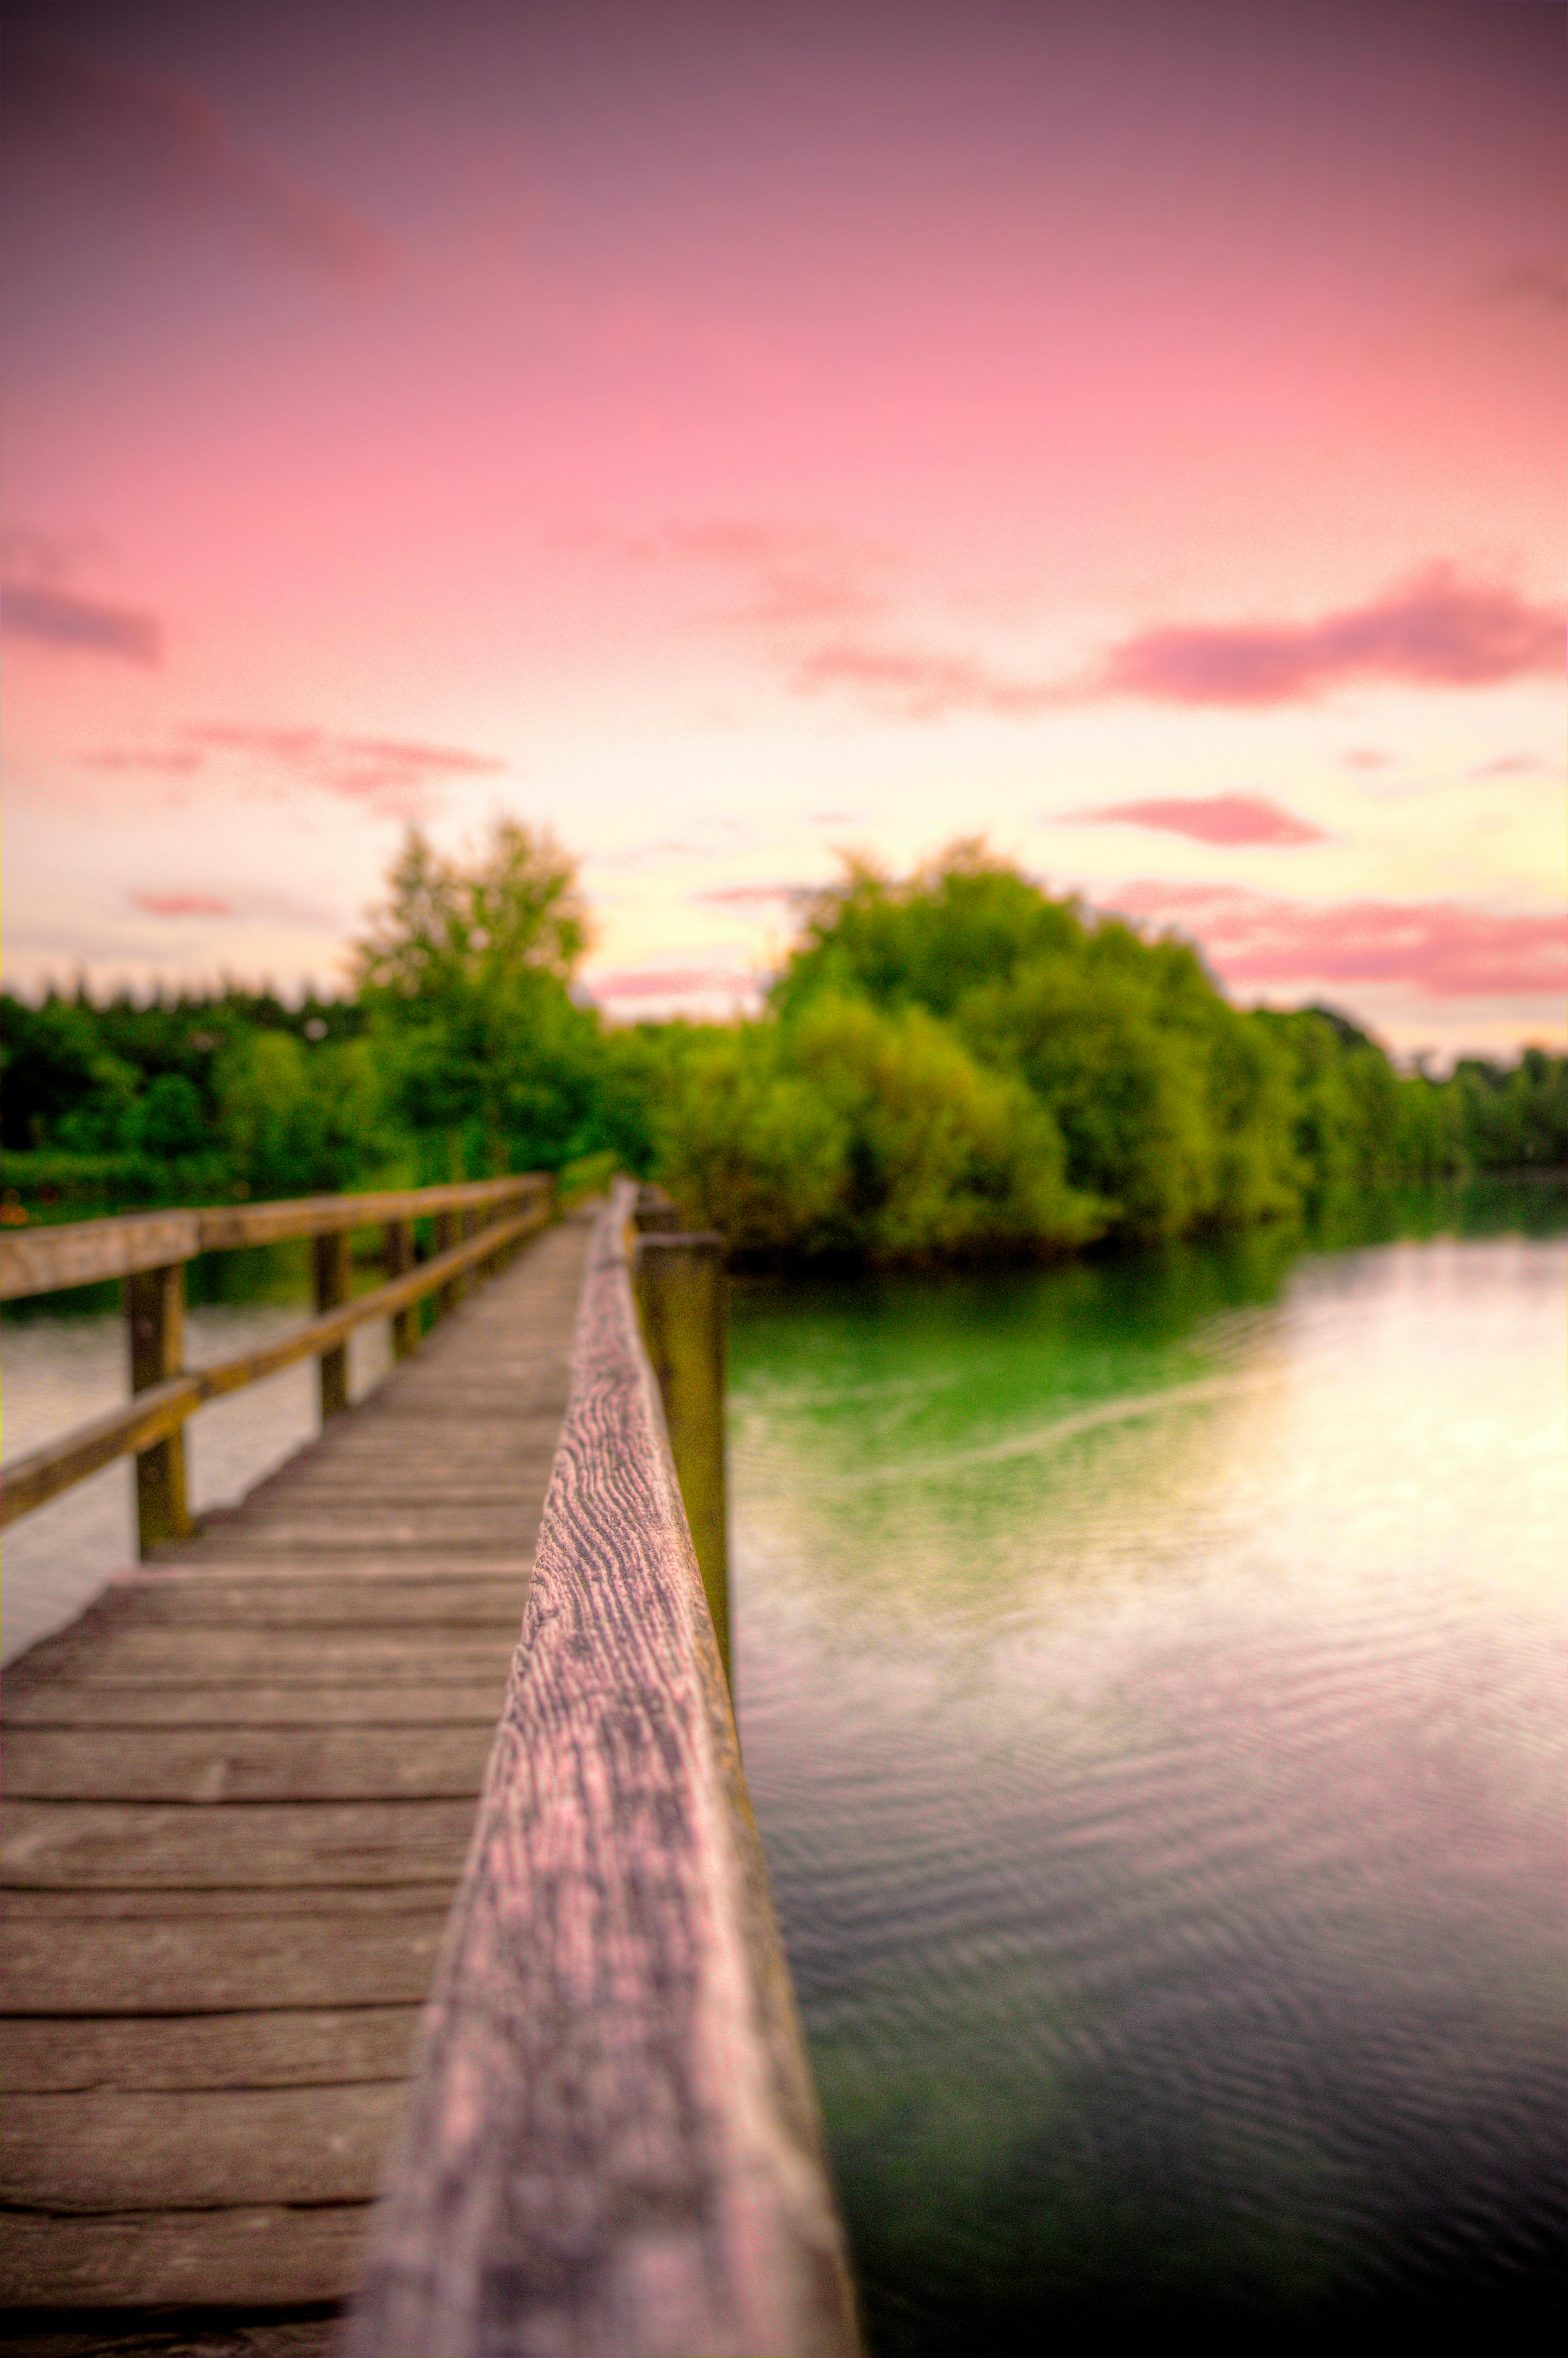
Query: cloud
x=1448 y=949
x=393 y=778
x=1539 y=285
x=1365 y=757
x=245 y=903
x=1433 y=633
x=754 y=896
x=153 y=145
x=83 y=626
x=644 y=986
x=1214 y=818
x=920 y=686
x=1508 y=765
x=181 y=905
x=793 y=575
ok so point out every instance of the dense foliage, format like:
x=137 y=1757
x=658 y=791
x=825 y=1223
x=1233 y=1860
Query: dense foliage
x=950 y=1064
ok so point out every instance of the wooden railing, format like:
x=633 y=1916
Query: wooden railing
x=612 y=2147
x=149 y=1250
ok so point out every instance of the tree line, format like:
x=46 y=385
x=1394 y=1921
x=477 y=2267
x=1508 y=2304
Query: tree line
x=953 y=1064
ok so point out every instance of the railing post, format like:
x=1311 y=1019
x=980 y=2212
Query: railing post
x=447 y=1236
x=397 y=1260
x=155 y=1313
x=333 y=1266
x=681 y=1294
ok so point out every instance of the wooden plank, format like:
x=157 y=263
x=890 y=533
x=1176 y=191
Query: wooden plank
x=307 y=1656
x=137 y=2335
x=286 y=2047
x=221 y=1963
x=196 y=2148
x=373 y=1703
x=112 y=1845
x=193 y=2259
x=215 y=1767
x=612 y=2145
x=308 y=1598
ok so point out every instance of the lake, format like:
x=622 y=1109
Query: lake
x=1149 y=1683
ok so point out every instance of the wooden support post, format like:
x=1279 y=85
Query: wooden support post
x=333 y=1268
x=447 y=1236
x=155 y=1313
x=681 y=1294
x=398 y=1259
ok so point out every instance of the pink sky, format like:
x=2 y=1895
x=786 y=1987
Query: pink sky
x=729 y=436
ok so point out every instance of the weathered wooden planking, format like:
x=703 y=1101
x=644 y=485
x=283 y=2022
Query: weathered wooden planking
x=267 y=2257
x=110 y=1844
x=94 y=1764
x=195 y=2149
x=340 y=1656
x=372 y=1704
x=286 y=2047
x=260 y=1599
x=314 y=2335
x=218 y=1963
x=612 y=2145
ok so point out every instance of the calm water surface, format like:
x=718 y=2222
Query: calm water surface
x=1149 y=1677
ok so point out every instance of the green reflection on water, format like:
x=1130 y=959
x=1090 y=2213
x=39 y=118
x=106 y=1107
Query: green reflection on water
x=1152 y=1924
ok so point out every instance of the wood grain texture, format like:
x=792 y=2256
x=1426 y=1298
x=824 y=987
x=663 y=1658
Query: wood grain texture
x=289 y=2336
x=240 y=1792
x=261 y=2257
x=286 y=2047
x=110 y=1844
x=612 y=2145
x=219 y=1963
x=194 y=2148
x=435 y=1703
x=211 y=1766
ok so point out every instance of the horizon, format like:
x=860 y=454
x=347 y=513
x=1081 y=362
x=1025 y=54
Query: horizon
x=732 y=438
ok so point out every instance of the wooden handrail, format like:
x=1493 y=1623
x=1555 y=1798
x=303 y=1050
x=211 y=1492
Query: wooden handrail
x=611 y=2145
x=84 y=1253
x=149 y=1250
x=154 y=1414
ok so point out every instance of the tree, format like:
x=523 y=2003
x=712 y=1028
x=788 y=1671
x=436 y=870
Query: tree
x=482 y=1052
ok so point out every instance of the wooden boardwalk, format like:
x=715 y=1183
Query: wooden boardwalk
x=239 y=1792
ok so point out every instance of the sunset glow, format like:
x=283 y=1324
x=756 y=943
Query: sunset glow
x=730 y=437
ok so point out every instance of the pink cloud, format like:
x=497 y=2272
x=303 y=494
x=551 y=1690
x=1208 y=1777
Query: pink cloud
x=1448 y=948
x=1508 y=765
x=82 y=625
x=921 y=686
x=671 y=982
x=394 y=777
x=792 y=574
x=181 y=905
x=151 y=144
x=1434 y=632
x=749 y=896
x=1365 y=757
x=1214 y=818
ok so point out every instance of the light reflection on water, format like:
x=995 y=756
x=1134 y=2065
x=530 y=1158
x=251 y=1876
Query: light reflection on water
x=1148 y=1686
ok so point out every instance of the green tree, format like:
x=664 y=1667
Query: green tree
x=481 y=1051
